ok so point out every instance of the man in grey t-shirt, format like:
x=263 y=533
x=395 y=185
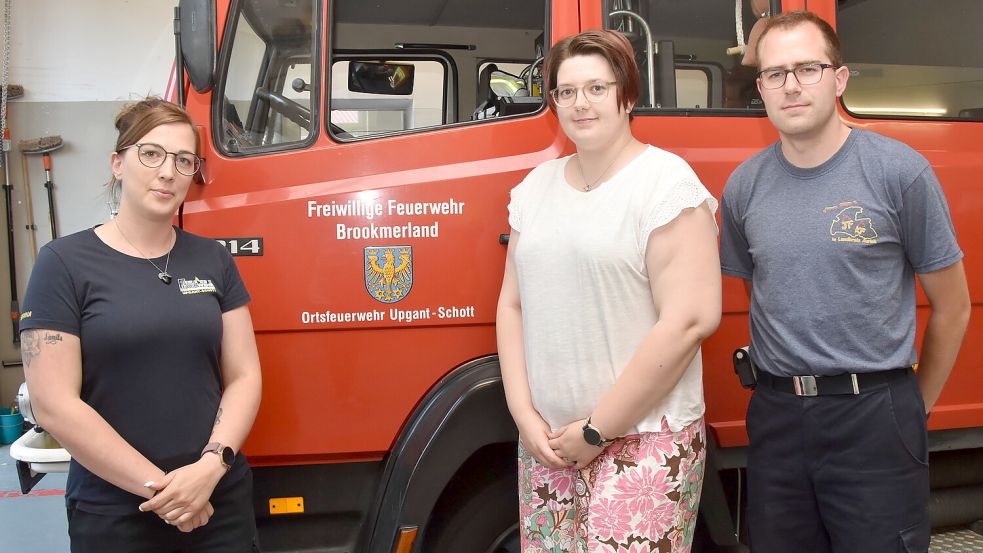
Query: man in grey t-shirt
x=831 y=225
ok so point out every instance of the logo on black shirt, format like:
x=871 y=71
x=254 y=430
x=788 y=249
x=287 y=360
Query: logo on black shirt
x=196 y=286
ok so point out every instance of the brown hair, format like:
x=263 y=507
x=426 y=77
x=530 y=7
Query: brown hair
x=137 y=119
x=134 y=121
x=612 y=46
x=791 y=20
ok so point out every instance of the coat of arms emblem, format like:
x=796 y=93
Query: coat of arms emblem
x=389 y=272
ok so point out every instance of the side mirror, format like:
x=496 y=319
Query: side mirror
x=198 y=42
x=380 y=78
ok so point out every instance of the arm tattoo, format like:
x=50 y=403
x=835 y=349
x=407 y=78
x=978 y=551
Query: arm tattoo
x=31 y=341
x=30 y=346
x=218 y=416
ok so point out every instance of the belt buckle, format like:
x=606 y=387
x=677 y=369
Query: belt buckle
x=805 y=385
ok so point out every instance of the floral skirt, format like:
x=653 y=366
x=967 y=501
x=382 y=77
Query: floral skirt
x=640 y=495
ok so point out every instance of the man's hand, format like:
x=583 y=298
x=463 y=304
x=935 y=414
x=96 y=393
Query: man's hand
x=948 y=295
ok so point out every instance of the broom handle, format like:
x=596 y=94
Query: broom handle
x=29 y=209
x=11 y=258
x=50 y=186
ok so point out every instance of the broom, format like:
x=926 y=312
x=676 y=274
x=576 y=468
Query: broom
x=42 y=146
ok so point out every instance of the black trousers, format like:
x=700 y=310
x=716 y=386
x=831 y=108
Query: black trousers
x=839 y=473
x=232 y=529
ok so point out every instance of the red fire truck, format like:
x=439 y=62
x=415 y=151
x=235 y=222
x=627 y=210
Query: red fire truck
x=359 y=156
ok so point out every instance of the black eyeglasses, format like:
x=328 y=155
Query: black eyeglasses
x=153 y=156
x=806 y=74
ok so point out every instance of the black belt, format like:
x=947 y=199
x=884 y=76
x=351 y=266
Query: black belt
x=840 y=384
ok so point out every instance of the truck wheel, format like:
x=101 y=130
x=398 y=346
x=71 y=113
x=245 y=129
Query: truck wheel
x=703 y=543
x=479 y=509
x=508 y=542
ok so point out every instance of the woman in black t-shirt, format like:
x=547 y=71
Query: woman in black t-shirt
x=139 y=353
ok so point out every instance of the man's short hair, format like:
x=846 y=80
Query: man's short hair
x=791 y=20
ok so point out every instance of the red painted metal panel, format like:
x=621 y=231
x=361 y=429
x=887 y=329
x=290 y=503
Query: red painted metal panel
x=338 y=391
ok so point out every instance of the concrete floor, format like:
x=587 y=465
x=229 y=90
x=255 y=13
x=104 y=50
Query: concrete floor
x=36 y=523
x=32 y=523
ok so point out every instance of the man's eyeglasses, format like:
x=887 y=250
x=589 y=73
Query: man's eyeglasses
x=153 y=156
x=566 y=96
x=806 y=74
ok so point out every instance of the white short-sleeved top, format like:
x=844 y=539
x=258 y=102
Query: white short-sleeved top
x=584 y=287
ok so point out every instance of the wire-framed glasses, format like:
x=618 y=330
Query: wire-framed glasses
x=806 y=74
x=595 y=91
x=153 y=156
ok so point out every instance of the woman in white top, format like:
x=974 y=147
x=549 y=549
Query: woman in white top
x=612 y=281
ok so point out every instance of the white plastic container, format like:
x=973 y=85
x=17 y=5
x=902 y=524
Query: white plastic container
x=41 y=452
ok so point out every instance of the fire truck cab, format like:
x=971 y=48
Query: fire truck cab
x=359 y=157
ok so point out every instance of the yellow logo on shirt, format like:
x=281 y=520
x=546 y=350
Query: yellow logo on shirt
x=196 y=286
x=26 y=315
x=850 y=224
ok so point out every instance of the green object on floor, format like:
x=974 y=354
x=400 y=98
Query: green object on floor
x=11 y=425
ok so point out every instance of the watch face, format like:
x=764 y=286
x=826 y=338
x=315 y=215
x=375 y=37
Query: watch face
x=591 y=436
x=227 y=456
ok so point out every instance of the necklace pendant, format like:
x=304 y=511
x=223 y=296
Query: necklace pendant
x=587 y=188
x=164 y=277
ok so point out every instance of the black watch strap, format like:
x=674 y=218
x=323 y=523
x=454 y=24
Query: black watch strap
x=593 y=436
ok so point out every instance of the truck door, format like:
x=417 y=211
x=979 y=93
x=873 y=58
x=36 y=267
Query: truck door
x=359 y=166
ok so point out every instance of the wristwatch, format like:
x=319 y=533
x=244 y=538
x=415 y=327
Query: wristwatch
x=593 y=436
x=225 y=453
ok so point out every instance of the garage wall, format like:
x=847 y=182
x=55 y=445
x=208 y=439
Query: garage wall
x=78 y=62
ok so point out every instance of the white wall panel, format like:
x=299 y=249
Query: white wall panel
x=91 y=50
x=78 y=61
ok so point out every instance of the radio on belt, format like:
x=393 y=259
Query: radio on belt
x=747 y=373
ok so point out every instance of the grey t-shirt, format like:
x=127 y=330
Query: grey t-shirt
x=832 y=252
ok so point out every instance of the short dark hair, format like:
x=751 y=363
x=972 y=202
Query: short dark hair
x=612 y=46
x=791 y=20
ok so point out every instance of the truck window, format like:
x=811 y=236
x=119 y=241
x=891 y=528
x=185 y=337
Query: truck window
x=361 y=113
x=688 y=55
x=909 y=60
x=267 y=79
x=511 y=78
x=446 y=47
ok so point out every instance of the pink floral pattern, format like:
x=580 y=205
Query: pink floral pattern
x=640 y=495
x=644 y=489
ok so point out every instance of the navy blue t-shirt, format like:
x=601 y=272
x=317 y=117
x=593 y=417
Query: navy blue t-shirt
x=150 y=352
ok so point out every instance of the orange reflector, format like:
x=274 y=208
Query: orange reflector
x=407 y=535
x=286 y=505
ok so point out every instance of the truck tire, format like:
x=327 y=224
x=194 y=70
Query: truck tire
x=479 y=509
x=703 y=543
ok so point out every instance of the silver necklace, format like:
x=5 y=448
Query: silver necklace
x=162 y=274
x=588 y=186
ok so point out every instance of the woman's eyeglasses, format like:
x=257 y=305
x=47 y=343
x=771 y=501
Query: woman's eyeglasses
x=566 y=96
x=153 y=156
